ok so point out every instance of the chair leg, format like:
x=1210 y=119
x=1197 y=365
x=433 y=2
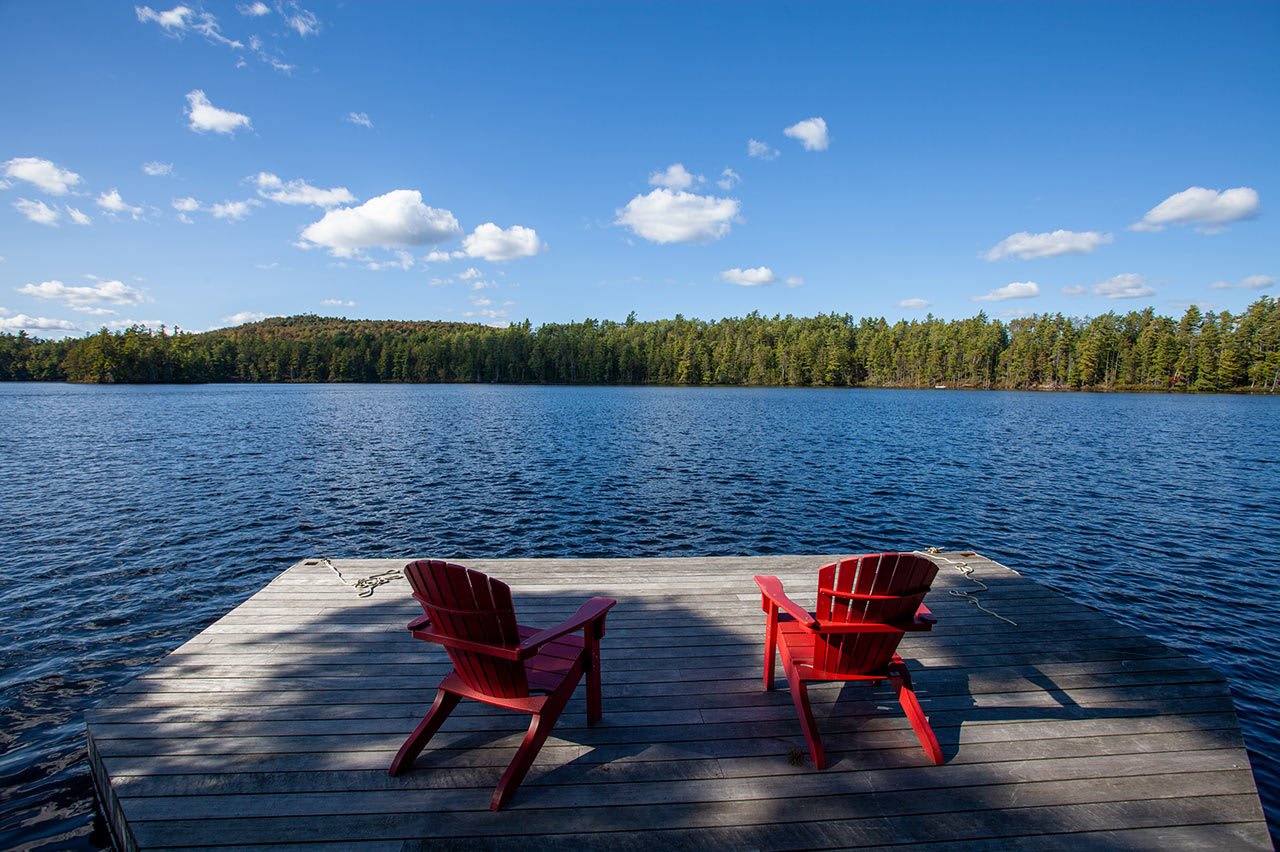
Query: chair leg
x=539 y=729
x=592 y=651
x=440 y=710
x=800 y=695
x=770 y=646
x=901 y=680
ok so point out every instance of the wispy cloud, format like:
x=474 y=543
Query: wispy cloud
x=914 y=304
x=761 y=150
x=45 y=174
x=1129 y=285
x=155 y=168
x=299 y=191
x=37 y=212
x=1249 y=282
x=77 y=297
x=360 y=118
x=115 y=205
x=204 y=117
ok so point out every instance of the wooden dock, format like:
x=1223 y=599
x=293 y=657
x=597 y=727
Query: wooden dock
x=275 y=727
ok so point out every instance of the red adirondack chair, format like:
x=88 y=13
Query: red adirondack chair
x=865 y=604
x=500 y=662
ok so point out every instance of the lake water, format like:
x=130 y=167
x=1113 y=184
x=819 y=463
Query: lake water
x=131 y=517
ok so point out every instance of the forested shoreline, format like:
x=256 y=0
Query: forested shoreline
x=1139 y=350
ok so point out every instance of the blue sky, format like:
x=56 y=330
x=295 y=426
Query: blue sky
x=209 y=163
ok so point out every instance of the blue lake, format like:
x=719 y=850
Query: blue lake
x=131 y=517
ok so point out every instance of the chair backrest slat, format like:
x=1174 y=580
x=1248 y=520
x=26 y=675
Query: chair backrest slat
x=902 y=578
x=466 y=604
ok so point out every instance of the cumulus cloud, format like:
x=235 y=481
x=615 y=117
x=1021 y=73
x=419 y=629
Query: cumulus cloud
x=1250 y=282
x=1130 y=285
x=37 y=211
x=204 y=117
x=761 y=150
x=114 y=204
x=22 y=322
x=1016 y=290
x=155 y=168
x=664 y=216
x=100 y=292
x=77 y=216
x=489 y=242
x=674 y=177
x=728 y=179
x=300 y=192
x=398 y=219
x=1208 y=209
x=404 y=260
x=914 y=304
x=360 y=118
x=755 y=277
x=181 y=19
x=469 y=273
x=186 y=205
x=45 y=174
x=254 y=10
x=244 y=317
x=1048 y=244
x=437 y=256
x=234 y=211
x=811 y=133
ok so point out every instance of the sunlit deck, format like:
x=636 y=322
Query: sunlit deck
x=275 y=727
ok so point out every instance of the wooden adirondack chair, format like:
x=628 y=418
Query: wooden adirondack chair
x=500 y=662
x=865 y=604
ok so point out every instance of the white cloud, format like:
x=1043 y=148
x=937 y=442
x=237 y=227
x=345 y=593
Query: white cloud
x=1250 y=282
x=664 y=216
x=1048 y=244
x=794 y=281
x=113 y=204
x=300 y=192
x=438 y=256
x=338 y=303
x=674 y=177
x=108 y=292
x=398 y=219
x=205 y=117
x=404 y=260
x=301 y=21
x=489 y=242
x=1074 y=290
x=469 y=273
x=360 y=118
x=1016 y=290
x=728 y=179
x=756 y=277
x=180 y=19
x=45 y=174
x=811 y=133
x=37 y=211
x=254 y=10
x=761 y=150
x=234 y=211
x=22 y=322
x=1209 y=209
x=186 y=205
x=1130 y=285
x=77 y=216
x=155 y=168
x=244 y=317
x=484 y=309
x=914 y=304
x=481 y=285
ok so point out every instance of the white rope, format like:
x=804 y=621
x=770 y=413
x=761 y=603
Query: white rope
x=365 y=585
x=967 y=570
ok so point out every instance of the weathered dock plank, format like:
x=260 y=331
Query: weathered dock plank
x=275 y=726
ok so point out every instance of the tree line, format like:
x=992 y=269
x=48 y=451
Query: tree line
x=1202 y=351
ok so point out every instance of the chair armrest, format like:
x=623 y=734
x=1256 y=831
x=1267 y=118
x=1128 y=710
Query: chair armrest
x=589 y=613
x=924 y=618
x=420 y=622
x=771 y=589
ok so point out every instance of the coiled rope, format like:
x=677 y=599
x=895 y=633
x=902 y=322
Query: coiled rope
x=365 y=585
x=967 y=570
